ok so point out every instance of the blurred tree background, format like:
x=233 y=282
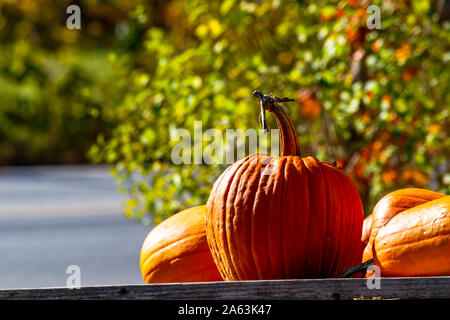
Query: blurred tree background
x=58 y=89
x=376 y=102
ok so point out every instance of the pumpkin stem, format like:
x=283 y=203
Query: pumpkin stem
x=358 y=268
x=288 y=137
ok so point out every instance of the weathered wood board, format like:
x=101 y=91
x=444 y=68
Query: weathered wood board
x=317 y=289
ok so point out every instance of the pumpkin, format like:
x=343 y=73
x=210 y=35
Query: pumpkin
x=285 y=216
x=176 y=250
x=367 y=228
x=391 y=205
x=416 y=242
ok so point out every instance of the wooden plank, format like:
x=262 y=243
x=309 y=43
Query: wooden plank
x=320 y=289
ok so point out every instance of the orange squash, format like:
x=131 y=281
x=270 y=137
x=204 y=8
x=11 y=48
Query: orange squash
x=391 y=205
x=416 y=242
x=367 y=228
x=177 y=251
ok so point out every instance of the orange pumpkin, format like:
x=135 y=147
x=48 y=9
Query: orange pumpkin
x=416 y=242
x=391 y=205
x=177 y=251
x=367 y=229
x=283 y=217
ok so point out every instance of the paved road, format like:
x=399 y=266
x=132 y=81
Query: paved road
x=53 y=217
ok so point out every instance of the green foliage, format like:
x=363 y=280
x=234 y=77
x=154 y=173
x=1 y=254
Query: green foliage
x=375 y=101
x=57 y=86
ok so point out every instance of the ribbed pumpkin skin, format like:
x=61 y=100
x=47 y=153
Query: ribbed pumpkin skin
x=416 y=242
x=391 y=205
x=282 y=218
x=176 y=250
